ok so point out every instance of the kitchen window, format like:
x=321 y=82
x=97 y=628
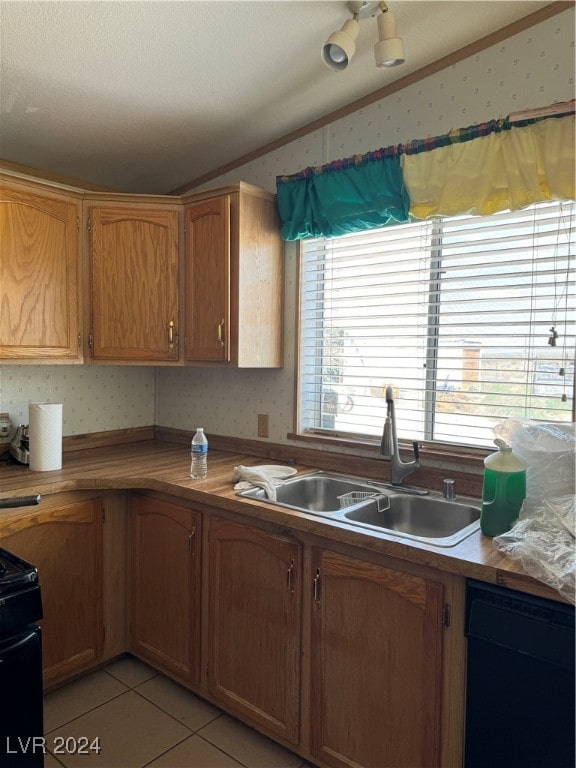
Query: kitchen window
x=471 y=320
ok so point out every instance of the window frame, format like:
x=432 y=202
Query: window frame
x=442 y=453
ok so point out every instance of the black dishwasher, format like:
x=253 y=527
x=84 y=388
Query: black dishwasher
x=520 y=680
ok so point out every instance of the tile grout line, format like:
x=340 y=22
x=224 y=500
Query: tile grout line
x=129 y=685
x=220 y=749
x=165 y=712
x=157 y=757
x=88 y=711
x=195 y=733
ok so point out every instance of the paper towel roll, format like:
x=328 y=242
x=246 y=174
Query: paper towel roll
x=45 y=435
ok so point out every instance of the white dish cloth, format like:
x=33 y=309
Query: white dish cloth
x=248 y=476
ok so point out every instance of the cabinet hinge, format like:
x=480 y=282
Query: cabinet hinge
x=79 y=340
x=446 y=615
x=78 y=223
x=90 y=341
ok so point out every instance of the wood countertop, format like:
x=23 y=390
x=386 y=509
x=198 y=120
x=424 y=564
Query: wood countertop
x=164 y=467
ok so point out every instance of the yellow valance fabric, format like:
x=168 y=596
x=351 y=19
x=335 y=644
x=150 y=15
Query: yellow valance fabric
x=506 y=170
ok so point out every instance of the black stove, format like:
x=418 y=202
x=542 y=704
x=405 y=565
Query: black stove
x=20 y=600
x=21 y=720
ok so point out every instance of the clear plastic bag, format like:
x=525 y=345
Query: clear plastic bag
x=543 y=540
x=549 y=450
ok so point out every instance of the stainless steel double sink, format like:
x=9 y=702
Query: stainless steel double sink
x=431 y=519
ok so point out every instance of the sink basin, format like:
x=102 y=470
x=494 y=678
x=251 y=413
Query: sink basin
x=423 y=518
x=373 y=506
x=318 y=492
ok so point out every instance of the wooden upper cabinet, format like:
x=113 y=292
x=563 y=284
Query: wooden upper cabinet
x=234 y=278
x=232 y=285
x=39 y=258
x=376 y=660
x=207 y=284
x=134 y=283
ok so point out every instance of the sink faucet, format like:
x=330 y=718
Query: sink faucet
x=389 y=446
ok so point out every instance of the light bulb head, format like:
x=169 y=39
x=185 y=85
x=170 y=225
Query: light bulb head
x=389 y=50
x=338 y=50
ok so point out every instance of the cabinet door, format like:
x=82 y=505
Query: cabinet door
x=134 y=284
x=207 y=283
x=65 y=544
x=254 y=625
x=376 y=662
x=38 y=275
x=165 y=586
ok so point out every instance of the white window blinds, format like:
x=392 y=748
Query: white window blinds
x=470 y=319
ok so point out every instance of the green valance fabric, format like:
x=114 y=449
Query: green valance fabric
x=343 y=199
x=481 y=169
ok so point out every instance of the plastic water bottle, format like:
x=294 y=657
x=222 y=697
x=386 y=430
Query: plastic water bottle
x=199 y=465
x=503 y=490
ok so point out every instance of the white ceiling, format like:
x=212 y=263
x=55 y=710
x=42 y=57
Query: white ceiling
x=143 y=96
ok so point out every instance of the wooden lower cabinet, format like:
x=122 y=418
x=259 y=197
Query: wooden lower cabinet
x=343 y=658
x=65 y=544
x=376 y=661
x=165 y=586
x=254 y=630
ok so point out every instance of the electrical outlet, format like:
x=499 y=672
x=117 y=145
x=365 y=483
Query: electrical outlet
x=263 y=425
x=5 y=428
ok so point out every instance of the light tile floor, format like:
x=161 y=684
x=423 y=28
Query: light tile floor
x=142 y=718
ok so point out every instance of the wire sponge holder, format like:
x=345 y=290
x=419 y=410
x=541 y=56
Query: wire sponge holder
x=381 y=500
x=355 y=497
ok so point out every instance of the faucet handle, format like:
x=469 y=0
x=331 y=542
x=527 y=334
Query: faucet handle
x=448 y=489
x=416 y=448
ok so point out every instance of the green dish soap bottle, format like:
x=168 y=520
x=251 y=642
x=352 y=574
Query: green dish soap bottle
x=503 y=490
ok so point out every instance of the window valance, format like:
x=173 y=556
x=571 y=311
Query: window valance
x=344 y=197
x=481 y=169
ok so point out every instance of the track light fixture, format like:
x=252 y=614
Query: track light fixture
x=338 y=50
